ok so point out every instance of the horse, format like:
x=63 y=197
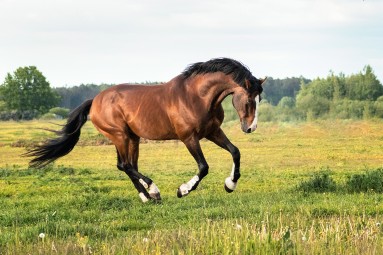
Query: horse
x=187 y=108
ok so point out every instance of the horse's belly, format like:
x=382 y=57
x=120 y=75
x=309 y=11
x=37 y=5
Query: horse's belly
x=153 y=128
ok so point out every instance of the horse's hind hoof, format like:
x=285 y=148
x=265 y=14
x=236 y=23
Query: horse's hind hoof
x=228 y=190
x=155 y=196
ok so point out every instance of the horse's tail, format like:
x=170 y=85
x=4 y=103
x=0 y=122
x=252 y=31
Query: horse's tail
x=67 y=138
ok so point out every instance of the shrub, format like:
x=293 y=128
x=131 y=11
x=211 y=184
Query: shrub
x=19 y=115
x=49 y=116
x=59 y=111
x=369 y=181
x=320 y=182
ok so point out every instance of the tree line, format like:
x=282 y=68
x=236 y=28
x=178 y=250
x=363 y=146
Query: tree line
x=26 y=94
x=356 y=96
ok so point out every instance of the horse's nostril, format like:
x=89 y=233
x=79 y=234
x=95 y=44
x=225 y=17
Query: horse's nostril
x=248 y=130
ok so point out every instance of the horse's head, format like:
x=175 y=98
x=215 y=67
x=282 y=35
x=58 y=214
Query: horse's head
x=246 y=101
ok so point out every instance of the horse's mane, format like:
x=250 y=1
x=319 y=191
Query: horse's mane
x=228 y=66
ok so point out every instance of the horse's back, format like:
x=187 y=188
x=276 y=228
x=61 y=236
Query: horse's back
x=143 y=109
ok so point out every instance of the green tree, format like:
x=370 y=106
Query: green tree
x=27 y=90
x=364 y=86
x=286 y=102
x=59 y=111
x=276 y=89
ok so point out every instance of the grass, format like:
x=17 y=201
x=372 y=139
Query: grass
x=84 y=205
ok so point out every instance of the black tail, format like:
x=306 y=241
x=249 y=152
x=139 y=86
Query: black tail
x=55 y=148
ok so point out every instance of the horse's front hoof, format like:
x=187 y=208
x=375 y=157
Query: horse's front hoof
x=230 y=185
x=183 y=190
x=179 y=194
x=227 y=189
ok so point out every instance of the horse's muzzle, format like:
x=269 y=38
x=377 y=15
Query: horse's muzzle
x=246 y=128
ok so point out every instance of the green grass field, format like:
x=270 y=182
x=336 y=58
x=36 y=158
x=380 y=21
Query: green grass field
x=83 y=205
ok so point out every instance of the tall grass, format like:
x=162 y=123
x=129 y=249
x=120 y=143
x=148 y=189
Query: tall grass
x=271 y=234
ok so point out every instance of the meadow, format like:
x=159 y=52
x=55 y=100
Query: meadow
x=82 y=204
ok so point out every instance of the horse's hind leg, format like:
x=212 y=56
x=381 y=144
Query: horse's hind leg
x=127 y=144
x=127 y=157
x=219 y=138
x=146 y=182
x=124 y=165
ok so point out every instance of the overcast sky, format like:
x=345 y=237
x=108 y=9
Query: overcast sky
x=115 y=41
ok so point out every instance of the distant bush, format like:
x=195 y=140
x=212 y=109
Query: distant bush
x=59 y=111
x=49 y=116
x=369 y=181
x=19 y=115
x=320 y=182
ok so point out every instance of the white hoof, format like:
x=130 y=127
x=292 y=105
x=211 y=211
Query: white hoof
x=230 y=185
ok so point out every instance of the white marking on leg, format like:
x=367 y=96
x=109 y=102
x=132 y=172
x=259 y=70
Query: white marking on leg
x=184 y=189
x=187 y=187
x=146 y=186
x=143 y=197
x=253 y=125
x=232 y=171
x=229 y=180
x=193 y=181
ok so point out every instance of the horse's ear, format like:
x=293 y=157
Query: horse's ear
x=247 y=84
x=263 y=80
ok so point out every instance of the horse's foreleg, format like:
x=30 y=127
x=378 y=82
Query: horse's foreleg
x=222 y=141
x=194 y=148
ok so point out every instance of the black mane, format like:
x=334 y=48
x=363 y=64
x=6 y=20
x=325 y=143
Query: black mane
x=228 y=66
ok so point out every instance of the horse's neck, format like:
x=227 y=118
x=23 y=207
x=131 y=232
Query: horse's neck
x=215 y=88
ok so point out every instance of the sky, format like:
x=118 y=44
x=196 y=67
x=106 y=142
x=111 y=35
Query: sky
x=75 y=42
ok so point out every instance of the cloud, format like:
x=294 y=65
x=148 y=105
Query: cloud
x=116 y=41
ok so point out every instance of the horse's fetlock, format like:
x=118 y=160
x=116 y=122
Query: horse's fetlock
x=120 y=167
x=236 y=176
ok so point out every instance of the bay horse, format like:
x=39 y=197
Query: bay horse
x=187 y=108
